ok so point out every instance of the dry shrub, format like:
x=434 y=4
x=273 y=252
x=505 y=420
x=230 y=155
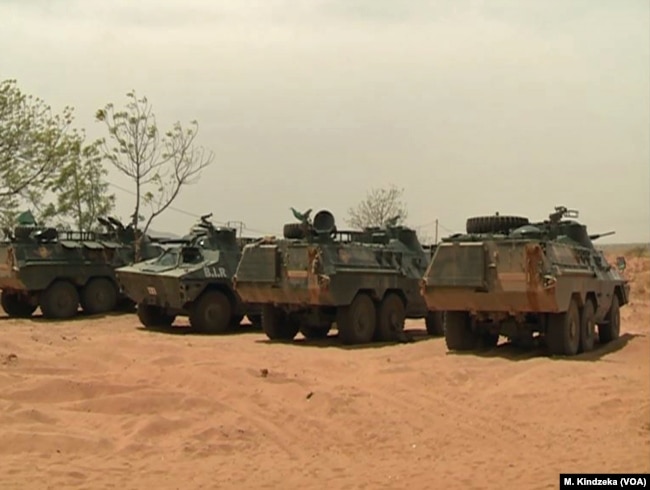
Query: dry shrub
x=638 y=251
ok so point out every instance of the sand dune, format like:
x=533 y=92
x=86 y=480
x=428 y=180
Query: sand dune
x=102 y=403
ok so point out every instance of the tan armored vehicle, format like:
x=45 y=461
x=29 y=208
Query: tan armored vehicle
x=509 y=277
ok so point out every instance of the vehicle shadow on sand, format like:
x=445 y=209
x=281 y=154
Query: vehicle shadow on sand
x=80 y=316
x=332 y=341
x=513 y=352
x=242 y=329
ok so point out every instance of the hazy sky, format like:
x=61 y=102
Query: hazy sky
x=471 y=106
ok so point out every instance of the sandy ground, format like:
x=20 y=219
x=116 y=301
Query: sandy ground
x=102 y=403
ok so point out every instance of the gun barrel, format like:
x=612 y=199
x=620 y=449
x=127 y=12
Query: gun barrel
x=600 y=235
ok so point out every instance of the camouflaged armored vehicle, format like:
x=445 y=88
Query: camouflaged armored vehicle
x=192 y=279
x=367 y=282
x=507 y=276
x=59 y=270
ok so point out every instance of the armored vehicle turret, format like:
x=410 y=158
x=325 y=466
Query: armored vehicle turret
x=366 y=282
x=58 y=270
x=508 y=276
x=193 y=279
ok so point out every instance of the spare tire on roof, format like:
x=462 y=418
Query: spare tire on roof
x=293 y=230
x=494 y=224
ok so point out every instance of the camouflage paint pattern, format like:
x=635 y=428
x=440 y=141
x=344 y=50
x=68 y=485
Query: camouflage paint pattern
x=28 y=265
x=298 y=274
x=495 y=279
x=177 y=278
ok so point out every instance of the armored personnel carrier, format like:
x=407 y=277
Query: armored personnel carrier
x=367 y=282
x=507 y=276
x=191 y=279
x=59 y=270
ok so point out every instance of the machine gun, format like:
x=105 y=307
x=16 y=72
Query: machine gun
x=561 y=212
x=599 y=235
x=109 y=226
x=205 y=218
x=392 y=222
x=205 y=223
x=118 y=225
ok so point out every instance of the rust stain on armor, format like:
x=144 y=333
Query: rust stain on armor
x=533 y=262
x=313 y=269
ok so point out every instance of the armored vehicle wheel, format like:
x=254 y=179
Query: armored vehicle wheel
x=255 y=319
x=356 y=323
x=16 y=306
x=293 y=230
x=587 y=327
x=435 y=323
x=611 y=330
x=126 y=305
x=390 y=319
x=563 y=332
x=494 y=224
x=277 y=325
x=154 y=316
x=487 y=340
x=99 y=296
x=211 y=313
x=315 y=331
x=458 y=331
x=60 y=300
x=235 y=321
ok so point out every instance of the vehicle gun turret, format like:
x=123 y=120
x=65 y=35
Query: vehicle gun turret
x=562 y=212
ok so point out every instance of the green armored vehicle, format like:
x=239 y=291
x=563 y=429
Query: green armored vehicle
x=59 y=270
x=367 y=282
x=507 y=276
x=192 y=279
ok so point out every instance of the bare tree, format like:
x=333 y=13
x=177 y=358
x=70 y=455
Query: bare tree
x=379 y=206
x=159 y=164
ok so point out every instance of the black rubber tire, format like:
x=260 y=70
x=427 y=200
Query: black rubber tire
x=255 y=319
x=587 y=327
x=488 y=340
x=390 y=319
x=236 y=320
x=99 y=295
x=459 y=335
x=293 y=231
x=563 y=331
x=434 y=322
x=315 y=331
x=494 y=224
x=152 y=316
x=277 y=325
x=15 y=306
x=60 y=300
x=126 y=305
x=611 y=330
x=211 y=313
x=357 y=323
